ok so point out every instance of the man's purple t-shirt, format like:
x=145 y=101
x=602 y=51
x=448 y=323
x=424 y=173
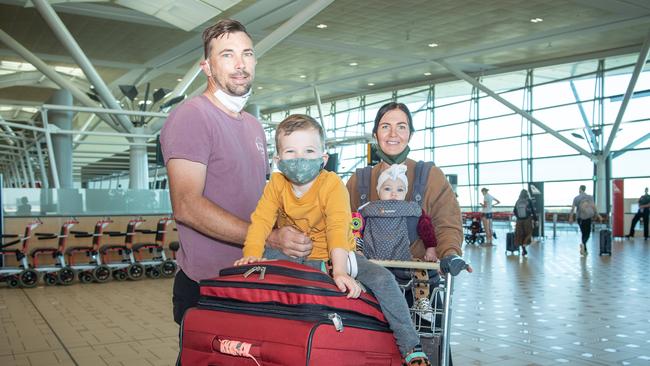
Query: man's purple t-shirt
x=234 y=151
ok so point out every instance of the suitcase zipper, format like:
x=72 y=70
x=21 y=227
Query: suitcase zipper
x=305 y=312
x=271 y=269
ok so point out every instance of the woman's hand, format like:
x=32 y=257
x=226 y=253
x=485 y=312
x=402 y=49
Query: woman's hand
x=345 y=283
x=430 y=255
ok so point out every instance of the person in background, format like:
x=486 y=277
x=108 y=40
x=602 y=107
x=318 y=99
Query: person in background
x=642 y=213
x=486 y=217
x=526 y=216
x=585 y=209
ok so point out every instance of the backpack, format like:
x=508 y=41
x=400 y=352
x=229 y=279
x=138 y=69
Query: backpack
x=420 y=179
x=522 y=209
x=586 y=208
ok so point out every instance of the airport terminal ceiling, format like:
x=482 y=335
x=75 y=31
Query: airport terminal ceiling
x=338 y=48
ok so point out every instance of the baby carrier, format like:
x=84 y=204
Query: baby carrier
x=388 y=229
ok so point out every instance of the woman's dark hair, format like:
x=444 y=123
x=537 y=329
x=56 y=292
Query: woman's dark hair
x=389 y=107
x=523 y=195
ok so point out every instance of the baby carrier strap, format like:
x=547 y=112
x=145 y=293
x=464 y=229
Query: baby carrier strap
x=363 y=184
x=421 y=176
x=422 y=169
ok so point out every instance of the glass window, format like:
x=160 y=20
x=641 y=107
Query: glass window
x=504 y=149
x=549 y=145
x=453 y=134
x=452 y=113
x=504 y=126
x=451 y=155
x=563 y=168
x=561 y=194
x=632 y=164
x=503 y=172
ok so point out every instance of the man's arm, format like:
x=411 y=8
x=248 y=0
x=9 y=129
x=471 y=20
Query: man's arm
x=496 y=201
x=186 y=185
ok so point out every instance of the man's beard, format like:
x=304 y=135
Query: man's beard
x=235 y=90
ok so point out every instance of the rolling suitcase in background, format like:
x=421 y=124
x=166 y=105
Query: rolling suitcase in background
x=510 y=244
x=288 y=314
x=605 y=242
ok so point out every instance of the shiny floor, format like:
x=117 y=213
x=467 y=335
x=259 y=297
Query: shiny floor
x=553 y=307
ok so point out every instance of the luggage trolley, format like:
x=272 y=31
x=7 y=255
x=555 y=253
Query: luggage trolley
x=438 y=330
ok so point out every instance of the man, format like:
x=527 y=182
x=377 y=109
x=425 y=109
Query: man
x=643 y=212
x=585 y=208
x=217 y=165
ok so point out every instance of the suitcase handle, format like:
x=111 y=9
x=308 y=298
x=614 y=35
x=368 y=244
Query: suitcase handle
x=236 y=348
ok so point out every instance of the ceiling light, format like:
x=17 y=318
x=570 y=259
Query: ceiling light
x=260 y=87
x=354 y=63
x=321 y=26
x=179 y=79
x=536 y=20
x=303 y=76
x=371 y=84
x=432 y=45
x=427 y=74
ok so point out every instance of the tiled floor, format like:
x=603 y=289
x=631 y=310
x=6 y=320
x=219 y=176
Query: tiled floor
x=550 y=308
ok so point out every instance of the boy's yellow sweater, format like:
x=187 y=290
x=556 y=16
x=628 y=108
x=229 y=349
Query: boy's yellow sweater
x=323 y=213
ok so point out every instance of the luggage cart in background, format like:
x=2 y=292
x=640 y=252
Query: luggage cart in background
x=438 y=330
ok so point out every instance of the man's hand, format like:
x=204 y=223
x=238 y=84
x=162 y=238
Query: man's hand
x=248 y=260
x=570 y=218
x=345 y=283
x=454 y=264
x=430 y=255
x=290 y=241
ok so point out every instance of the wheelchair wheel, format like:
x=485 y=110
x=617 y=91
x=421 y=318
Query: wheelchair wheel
x=480 y=240
x=13 y=281
x=28 y=278
x=101 y=273
x=154 y=271
x=168 y=268
x=66 y=275
x=120 y=275
x=50 y=278
x=85 y=277
x=135 y=271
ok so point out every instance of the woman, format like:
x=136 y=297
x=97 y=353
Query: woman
x=525 y=213
x=392 y=130
x=486 y=216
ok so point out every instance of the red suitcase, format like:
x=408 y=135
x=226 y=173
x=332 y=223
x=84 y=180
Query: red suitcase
x=290 y=315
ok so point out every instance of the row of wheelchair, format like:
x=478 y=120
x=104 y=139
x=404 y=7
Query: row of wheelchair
x=93 y=262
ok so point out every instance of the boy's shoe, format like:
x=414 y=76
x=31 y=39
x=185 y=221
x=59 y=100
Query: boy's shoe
x=423 y=309
x=417 y=358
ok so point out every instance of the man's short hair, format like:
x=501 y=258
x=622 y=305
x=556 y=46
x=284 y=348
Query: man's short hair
x=224 y=26
x=298 y=122
x=583 y=188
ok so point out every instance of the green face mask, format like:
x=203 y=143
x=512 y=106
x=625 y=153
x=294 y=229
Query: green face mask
x=301 y=171
x=393 y=159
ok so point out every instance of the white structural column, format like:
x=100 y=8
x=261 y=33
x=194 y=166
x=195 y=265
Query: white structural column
x=62 y=143
x=638 y=67
x=463 y=76
x=600 y=185
x=139 y=168
x=64 y=36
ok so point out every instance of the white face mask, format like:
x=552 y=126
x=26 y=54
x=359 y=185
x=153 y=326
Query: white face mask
x=233 y=103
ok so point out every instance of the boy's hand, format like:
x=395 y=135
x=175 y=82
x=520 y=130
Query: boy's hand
x=346 y=283
x=247 y=260
x=430 y=255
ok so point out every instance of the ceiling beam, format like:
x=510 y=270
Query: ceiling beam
x=67 y=40
x=638 y=67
